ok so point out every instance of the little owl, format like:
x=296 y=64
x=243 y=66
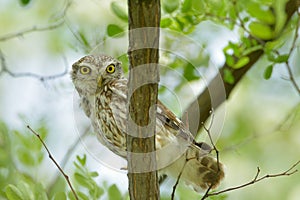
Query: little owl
x=103 y=96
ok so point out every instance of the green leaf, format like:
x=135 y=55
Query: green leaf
x=200 y=6
x=114 y=30
x=82 y=196
x=241 y=62
x=40 y=192
x=82 y=160
x=119 y=11
x=282 y=58
x=26 y=190
x=13 y=193
x=268 y=72
x=228 y=76
x=83 y=181
x=114 y=193
x=263 y=15
x=124 y=61
x=229 y=60
x=99 y=192
x=252 y=49
x=170 y=5
x=71 y=195
x=94 y=174
x=246 y=19
x=165 y=22
x=25 y=157
x=246 y=41
x=186 y=5
x=84 y=40
x=60 y=196
x=235 y=48
x=261 y=31
x=189 y=73
x=278 y=58
x=24 y=2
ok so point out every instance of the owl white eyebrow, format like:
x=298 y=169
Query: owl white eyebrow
x=112 y=62
x=85 y=64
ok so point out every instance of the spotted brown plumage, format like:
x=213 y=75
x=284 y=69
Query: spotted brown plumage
x=102 y=88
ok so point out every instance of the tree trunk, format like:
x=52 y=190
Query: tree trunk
x=144 y=21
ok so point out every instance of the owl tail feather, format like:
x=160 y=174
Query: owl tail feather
x=197 y=168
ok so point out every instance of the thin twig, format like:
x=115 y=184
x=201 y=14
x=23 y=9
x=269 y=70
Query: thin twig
x=179 y=176
x=210 y=138
x=288 y=67
x=67 y=156
x=214 y=147
x=54 y=161
x=206 y=192
x=291 y=77
x=42 y=78
x=288 y=172
x=33 y=29
x=59 y=22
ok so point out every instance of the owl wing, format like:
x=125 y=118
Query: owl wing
x=168 y=126
x=169 y=119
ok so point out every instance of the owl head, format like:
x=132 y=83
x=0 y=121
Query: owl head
x=93 y=72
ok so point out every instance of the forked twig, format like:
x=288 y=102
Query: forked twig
x=67 y=156
x=214 y=148
x=32 y=29
x=54 y=161
x=210 y=138
x=4 y=69
x=287 y=64
x=256 y=179
x=59 y=22
x=206 y=192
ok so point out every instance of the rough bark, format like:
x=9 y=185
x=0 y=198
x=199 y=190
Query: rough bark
x=204 y=103
x=143 y=87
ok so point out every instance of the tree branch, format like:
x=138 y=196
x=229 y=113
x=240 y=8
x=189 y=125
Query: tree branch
x=256 y=179
x=203 y=101
x=32 y=29
x=60 y=21
x=54 y=161
x=42 y=78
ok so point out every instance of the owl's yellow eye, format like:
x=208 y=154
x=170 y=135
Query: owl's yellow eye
x=85 y=70
x=110 y=68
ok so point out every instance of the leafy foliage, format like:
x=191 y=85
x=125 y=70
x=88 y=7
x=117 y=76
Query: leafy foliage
x=85 y=180
x=18 y=185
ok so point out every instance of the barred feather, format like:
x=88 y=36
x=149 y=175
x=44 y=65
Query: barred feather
x=105 y=105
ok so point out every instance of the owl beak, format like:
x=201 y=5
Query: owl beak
x=99 y=81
